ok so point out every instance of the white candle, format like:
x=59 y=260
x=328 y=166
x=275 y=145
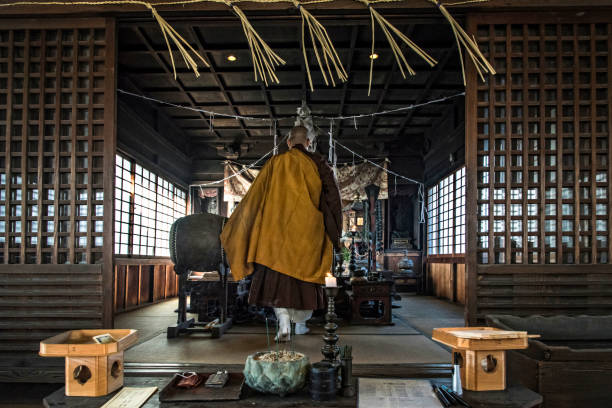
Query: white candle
x=330 y=282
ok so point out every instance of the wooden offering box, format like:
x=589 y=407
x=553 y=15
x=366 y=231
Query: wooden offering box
x=92 y=369
x=483 y=354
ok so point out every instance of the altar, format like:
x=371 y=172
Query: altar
x=514 y=397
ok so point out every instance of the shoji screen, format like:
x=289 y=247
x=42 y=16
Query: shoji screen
x=538 y=142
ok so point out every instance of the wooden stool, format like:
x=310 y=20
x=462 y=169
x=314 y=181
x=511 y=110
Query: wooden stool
x=92 y=369
x=483 y=354
x=365 y=291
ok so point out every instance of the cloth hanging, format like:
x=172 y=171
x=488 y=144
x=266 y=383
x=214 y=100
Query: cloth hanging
x=235 y=188
x=352 y=181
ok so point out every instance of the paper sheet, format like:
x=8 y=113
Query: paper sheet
x=130 y=397
x=396 y=393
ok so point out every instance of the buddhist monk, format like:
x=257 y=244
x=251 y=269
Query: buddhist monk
x=283 y=233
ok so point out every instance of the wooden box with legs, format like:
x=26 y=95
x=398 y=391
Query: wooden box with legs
x=482 y=352
x=482 y=370
x=92 y=369
x=94 y=376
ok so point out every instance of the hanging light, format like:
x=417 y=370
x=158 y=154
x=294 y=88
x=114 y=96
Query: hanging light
x=374 y=56
x=231 y=58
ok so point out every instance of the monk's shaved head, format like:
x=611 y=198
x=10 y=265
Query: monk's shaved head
x=298 y=135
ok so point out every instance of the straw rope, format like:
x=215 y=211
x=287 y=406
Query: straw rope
x=263 y=57
x=180 y=43
x=185 y=2
x=388 y=29
x=318 y=34
x=471 y=48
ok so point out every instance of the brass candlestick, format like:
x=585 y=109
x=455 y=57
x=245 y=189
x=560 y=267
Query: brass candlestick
x=330 y=349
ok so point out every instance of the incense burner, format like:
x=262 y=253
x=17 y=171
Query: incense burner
x=276 y=377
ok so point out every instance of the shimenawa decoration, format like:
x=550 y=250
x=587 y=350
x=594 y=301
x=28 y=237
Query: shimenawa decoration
x=179 y=41
x=318 y=33
x=387 y=28
x=265 y=59
x=471 y=48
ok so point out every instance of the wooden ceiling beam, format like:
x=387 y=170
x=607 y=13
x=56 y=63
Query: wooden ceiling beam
x=166 y=67
x=200 y=45
x=349 y=65
x=228 y=48
x=266 y=96
x=426 y=90
x=388 y=78
x=419 y=67
x=159 y=112
x=297 y=88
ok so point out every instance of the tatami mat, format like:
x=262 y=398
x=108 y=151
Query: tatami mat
x=234 y=348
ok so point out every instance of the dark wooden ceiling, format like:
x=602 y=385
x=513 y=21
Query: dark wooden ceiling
x=229 y=87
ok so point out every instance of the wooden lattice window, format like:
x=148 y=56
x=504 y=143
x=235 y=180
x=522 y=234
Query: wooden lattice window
x=543 y=145
x=124 y=182
x=446 y=225
x=52 y=145
x=146 y=205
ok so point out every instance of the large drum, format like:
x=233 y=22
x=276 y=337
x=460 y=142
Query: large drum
x=195 y=244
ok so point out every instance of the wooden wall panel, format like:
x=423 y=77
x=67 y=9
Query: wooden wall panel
x=120 y=287
x=34 y=305
x=141 y=282
x=538 y=158
x=546 y=290
x=171 y=281
x=447 y=280
x=460 y=284
x=132 y=286
x=159 y=285
x=440 y=280
x=145 y=284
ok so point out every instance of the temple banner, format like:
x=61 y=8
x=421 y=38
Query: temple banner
x=351 y=180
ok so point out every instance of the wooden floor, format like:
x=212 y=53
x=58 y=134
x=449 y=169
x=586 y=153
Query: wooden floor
x=407 y=346
x=400 y=350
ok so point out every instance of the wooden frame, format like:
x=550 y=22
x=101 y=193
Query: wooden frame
x=564 y=103
x=337 y=5
x=160 y=191
x=438 y=257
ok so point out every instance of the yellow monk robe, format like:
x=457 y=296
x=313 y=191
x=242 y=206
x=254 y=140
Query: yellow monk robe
x=278 y=223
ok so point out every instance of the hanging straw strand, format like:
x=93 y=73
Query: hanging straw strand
x=169 y=32
x=469 y=44
x=264 y=58
x=389 y=29
x=319 y=35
